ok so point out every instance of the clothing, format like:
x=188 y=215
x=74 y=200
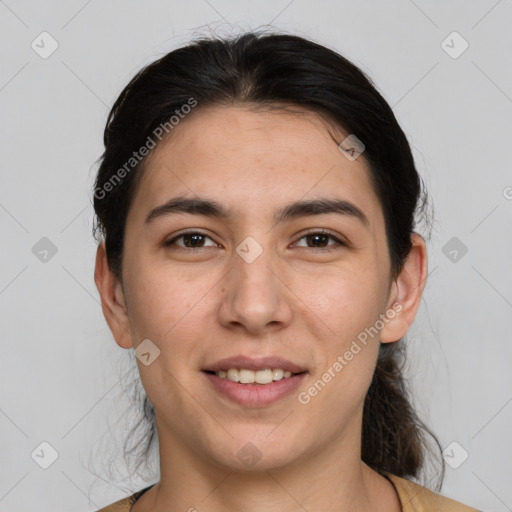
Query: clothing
x=125 y=504
x=413 y=498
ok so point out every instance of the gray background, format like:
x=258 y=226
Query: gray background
x=61 y=370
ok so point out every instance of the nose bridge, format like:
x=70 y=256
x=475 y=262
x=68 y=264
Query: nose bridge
x=251 y=266
x=254 y=293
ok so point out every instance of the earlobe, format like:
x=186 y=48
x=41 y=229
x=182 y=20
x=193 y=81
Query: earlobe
x=407 y=291
x=113 y=301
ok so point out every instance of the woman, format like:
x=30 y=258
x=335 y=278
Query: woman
x=255 y=208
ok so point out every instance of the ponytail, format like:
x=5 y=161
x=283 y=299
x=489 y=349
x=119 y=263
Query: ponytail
x=394 y=439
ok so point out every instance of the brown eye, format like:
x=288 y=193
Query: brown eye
x=191 y=240
x=320 y=240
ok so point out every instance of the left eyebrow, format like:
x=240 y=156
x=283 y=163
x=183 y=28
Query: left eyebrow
x=319 y=207
x=297 y=209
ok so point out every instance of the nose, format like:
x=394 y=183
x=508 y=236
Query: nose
x=256 y=297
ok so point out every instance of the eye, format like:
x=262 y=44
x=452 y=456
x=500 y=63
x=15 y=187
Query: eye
x=192 y=240
x=196 y=240
x=320 y=237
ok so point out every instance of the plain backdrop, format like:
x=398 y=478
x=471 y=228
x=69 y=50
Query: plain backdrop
x=444 y=67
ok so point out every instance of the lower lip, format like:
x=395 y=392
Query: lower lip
x=255 y=395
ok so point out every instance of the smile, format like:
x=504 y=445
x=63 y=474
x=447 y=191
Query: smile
x=242 y=386
x=245 y=376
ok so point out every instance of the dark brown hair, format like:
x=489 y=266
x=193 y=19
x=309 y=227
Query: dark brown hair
x=260 y=69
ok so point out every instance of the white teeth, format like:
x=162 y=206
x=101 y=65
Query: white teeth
x=245 y=376
x=233 y=375
x=277 y=374
x=264 y=376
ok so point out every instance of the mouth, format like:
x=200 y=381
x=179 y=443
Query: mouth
x=262 y=377
x=254 y=382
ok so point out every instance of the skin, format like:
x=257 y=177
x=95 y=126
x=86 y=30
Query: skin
x=294 y=300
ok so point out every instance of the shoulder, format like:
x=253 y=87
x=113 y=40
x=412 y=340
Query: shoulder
x=125 y=504
x=413 y=498
x=416 y=498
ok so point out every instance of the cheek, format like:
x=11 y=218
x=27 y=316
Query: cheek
x=340 y=383
x=171 y=314
x=166 y=306
x=342 y=310
x=345 y=301
x=151 y=306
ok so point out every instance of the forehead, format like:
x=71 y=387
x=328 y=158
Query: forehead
x=250 y=159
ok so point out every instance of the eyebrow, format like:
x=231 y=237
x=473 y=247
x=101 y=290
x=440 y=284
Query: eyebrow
x=297 y=209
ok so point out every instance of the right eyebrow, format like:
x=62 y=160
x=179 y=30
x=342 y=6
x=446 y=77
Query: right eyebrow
x=189 y=205
x=209 y=208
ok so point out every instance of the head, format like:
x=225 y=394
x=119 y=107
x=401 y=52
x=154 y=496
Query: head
x=234 y=219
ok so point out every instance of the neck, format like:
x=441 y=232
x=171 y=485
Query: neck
x=333 y=478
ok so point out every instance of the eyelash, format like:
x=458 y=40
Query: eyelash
x=170 y=242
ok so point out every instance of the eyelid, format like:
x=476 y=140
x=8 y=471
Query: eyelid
x=322 y=231
x=312 y=231
x=188 y=231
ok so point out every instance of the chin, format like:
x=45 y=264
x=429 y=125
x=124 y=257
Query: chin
x=257 y=455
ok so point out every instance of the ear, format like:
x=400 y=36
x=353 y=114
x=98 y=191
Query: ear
x=112 y=299
x=406 y=292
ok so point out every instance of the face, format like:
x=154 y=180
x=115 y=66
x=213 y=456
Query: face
x=303 y=287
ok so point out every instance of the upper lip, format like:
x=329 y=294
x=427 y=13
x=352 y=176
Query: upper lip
x=254 y=364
